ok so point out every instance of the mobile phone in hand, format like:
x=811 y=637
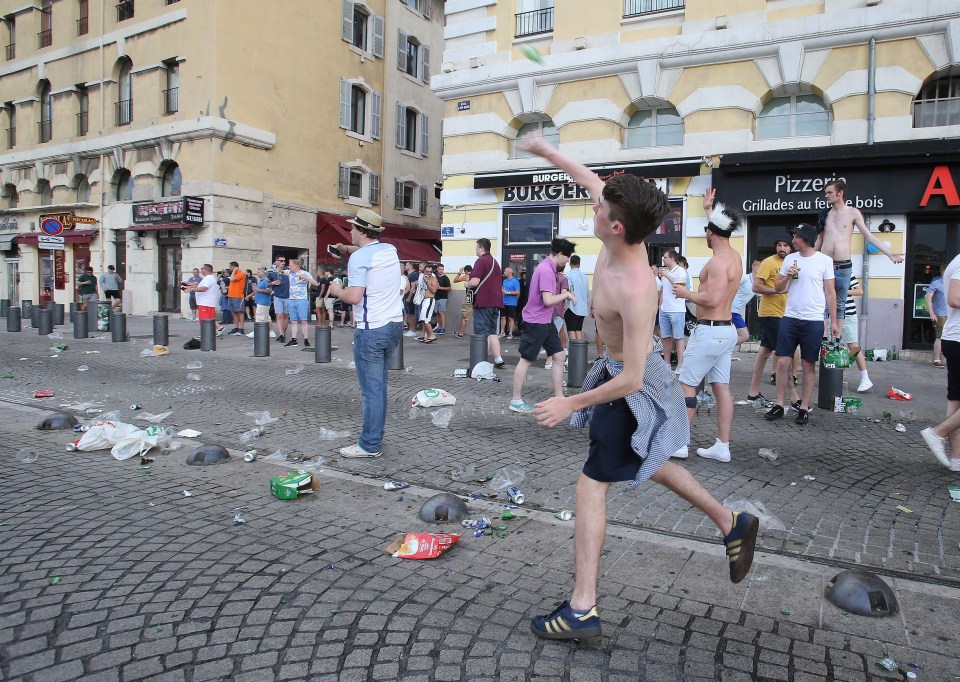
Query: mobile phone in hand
x=333 y=251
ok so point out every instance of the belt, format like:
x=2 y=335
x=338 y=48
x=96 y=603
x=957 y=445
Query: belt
x=716 y=323
x=842 y=264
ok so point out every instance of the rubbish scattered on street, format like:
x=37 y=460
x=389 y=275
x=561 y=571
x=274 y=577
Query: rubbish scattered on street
x=906 y=415
x=408 y=370
x=768 y=453
x=441 y=418
x=136 y=406
x=954 y=492
x=55 y=335
x=460 y=373
x=564 y=514
x=433 y=397
x=188 y=433
x=785 y=612
x=27 y=456
x=887 y=664
x=194 y=365
x=847 y=403
x=303 y=464
x=88 y=352
x=483 y=370
x=352 y=365
x=808 y=477
x=239 y=518
x=43 y=394
x=83 y=368
x=153 y=418
x=476 y=523
x=293 y=484
x=187 y=493
x=897 y=394
x=146 y=353
x=767 y=520
x=262 y=418
x=463 y=472
x=6 y=375
x=422 y=545
x=193 y=377
x=515 y=494
x=507 y=515
x=905 y=510
x=294 y=370
x=900 y=428
x=330 y=434
x=251 y=435
x=55 y=579
x=160 y=350
x=395 y=485
x=277 y=456
x=506 y=477
x=250 y=456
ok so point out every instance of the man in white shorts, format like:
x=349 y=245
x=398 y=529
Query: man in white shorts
x=713 y=339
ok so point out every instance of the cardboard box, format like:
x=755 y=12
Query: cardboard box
x=293 y=484
x=848 y=403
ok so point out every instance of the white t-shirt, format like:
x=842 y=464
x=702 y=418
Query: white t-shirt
x=376 y=268
x=805 y=297
x=744 y=293
x=670 y=303
x=210 y=297
x=951 y=330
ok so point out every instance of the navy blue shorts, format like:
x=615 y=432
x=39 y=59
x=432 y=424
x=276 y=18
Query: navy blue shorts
x=738 y=320
x=770 y=330
x=807 y=334
x=611 y=458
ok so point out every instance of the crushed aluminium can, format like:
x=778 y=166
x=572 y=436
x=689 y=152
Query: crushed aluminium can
x=564 y=515
x=250 y=456
x=477 y=524
x=515 y=495
x=395 y=485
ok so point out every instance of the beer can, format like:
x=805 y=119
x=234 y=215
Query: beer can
x=250 y=456
x=71 y=447
x=395 y=485
x=136 y=406
x=564 y=514
x=515 y=495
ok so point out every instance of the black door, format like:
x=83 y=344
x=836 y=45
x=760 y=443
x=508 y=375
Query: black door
x=523 y=260
x=929 y=243
x=168 y=287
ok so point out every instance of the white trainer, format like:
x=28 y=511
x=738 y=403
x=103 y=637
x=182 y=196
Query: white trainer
x=717 y=451
x=865 y=385
x=682 y=453
x=937 y=446
x=355 y=451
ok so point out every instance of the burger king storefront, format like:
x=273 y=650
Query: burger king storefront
x=909 y=195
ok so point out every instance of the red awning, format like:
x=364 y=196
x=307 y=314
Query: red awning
x=69 y=236
x=414 y=244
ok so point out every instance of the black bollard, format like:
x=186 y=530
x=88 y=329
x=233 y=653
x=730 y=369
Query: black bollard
x=261 y=339
x=13 y=319
x=829 y=386
x=161 y=330
x=74 y=309
x=25 y=306
x=57 y=314
x=45 y=323
x=208 y=335
x=35 y=316
x=478 y=351
x=93 y=318
x=396 y=357
x=4 y=306
x=80 y=325
x=577 y=363
x=118 y=327
x=321 y=343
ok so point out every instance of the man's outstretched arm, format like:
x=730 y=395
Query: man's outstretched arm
x=583 y=176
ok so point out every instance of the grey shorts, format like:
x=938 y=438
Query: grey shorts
x=440 y=305
x=486 y=321
x=708 y=354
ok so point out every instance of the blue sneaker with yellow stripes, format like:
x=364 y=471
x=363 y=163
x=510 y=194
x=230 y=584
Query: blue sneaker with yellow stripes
x=563 y=624
x=740 y=543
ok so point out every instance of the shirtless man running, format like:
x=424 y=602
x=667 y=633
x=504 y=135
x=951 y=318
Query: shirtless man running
x=834 y=241
x=712 y=341
x=631 y=398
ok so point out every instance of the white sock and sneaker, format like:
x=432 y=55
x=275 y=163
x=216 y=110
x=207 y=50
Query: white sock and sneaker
x=865 y=383
x=719 y=451
x=939 y=446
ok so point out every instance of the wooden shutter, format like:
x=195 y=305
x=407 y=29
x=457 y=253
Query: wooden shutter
x=397 y=195
x=343 y=183
x=378 y=36
x=401 y=125
x=348 y=21
x=401 y=50
x=375 y=115
x=425 y=63
x=424 y=138
x=374 y=188
x=344 y=103
x=423 y=201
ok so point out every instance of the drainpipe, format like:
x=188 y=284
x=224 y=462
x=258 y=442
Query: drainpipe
x=871 y=90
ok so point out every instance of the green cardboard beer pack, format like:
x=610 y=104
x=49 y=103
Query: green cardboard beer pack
x=293 y=484
x=847 y=403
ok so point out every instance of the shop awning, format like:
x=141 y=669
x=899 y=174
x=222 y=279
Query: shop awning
x=413 y=243
x=71 y=237
x=8 y=240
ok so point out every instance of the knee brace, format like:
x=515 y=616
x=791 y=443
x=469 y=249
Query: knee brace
x=691 y=402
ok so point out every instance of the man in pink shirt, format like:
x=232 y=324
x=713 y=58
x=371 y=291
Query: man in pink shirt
x=538 y=329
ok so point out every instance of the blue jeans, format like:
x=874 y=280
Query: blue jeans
x=841 y=282
x=372 y=350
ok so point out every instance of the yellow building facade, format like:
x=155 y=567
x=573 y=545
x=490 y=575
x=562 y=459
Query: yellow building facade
x=158 y=135
x=763 y=100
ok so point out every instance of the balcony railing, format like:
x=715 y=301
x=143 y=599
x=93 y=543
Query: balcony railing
x=537 y=21
x=82 y=123
x=11 y=138
x=44 y=131
x=171 y=100
x=633 y=8
x=124 y=112
x=11 y=51
x=83 y=26
x=125 y=10
x=45 y=38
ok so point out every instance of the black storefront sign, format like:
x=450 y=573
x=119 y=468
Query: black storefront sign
x=185 y=210
x=546 y=178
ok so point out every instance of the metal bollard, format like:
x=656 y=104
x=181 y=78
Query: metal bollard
x=57 y=314
x=80 y=325
x=93 y=318
x=577 y=363
x=4 y=306
x=35 y=316
x=478 y=351
x=208 y=335
x=829 y=386
x=13 y=319
x=261 y=339
x=74 y=309
x=321 y=343
x=118 y=327
x=45 y=322
x=161 y=330
x=396 y=357
x=25 y=306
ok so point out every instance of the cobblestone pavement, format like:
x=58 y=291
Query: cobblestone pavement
x=156 y=584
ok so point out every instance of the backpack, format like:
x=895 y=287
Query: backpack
x=192 y=344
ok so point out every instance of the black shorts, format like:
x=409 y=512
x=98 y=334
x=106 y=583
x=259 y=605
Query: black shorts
x=611 y=458
x=537 y=336
x=951 y=351
x=573 y=321
x=113 y=293
x=409 y=307
x=510 y=311
x=769 y=330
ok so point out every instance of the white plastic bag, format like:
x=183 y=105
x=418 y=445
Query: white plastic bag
x=136 y=444
x=482 y=370
x=433 y=397
x=105 y=434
